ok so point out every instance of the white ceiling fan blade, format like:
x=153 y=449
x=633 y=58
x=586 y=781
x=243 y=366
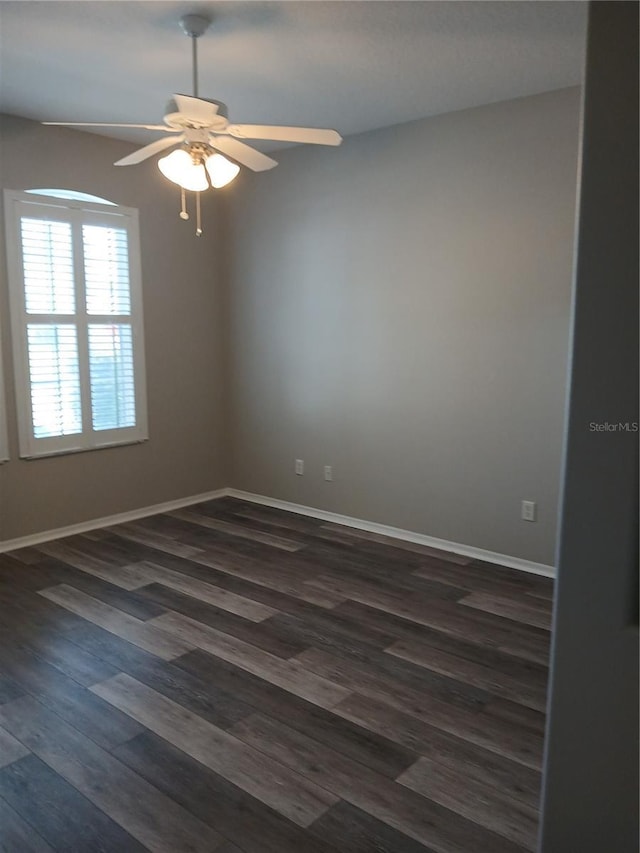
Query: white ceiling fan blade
x=111 y=124
x=243 y=154
x=197 y=110
x=315 y=136
x=148 y=151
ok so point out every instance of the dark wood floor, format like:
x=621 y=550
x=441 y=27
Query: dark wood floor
x=230 y=677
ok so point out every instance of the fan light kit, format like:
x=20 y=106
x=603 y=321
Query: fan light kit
x=210 y=153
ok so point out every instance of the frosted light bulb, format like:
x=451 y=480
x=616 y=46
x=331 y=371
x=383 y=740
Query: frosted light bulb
x=180 y=168
x=221 y=171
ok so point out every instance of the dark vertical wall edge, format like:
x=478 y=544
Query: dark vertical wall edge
x=590 y=787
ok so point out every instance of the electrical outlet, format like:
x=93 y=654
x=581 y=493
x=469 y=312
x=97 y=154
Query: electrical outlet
x=299 y=469
x=528 y=511
x=328 y=473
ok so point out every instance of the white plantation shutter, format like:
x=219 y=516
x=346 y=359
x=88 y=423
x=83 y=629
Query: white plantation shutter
x=54 y=377
x=76 y=313
x=48 y=267
x=106 y=270
x=113 y=398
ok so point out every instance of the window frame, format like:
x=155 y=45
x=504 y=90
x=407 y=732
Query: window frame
x=77 y=213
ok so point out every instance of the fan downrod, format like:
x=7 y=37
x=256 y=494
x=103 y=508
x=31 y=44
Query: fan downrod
x=194 y=26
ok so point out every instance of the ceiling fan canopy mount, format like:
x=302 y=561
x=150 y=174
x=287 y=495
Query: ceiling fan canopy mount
x=194 y=26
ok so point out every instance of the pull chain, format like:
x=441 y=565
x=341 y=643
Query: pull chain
x=183 y=202
x=198 y=217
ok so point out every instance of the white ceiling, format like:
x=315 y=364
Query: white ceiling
x=354 y=66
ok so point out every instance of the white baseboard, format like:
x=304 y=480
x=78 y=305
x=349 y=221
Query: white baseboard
x=107 y=521
x=398 y=533
x=323 y=515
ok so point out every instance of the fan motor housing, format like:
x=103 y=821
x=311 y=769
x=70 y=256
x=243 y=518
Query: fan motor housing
x=174 y=118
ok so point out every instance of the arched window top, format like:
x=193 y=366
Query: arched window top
x=72 y=195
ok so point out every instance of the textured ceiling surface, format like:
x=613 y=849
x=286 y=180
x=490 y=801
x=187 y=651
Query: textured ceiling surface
x=354 y=66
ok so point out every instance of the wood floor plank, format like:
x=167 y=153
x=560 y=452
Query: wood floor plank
x=210 y=594
x=289 y=675
x=109 y=648
x=420 y=819
x=201 y=695
x=366 y=593
x=401 y=544
x=405 y=682
x=16 y=835
x=483 y=629
x=137 y=532
x=153 y=819
x=232 y=578
x=476 y=578
x=542 y=595
x=476 y=762
x=72 y=702
x=24 y=609
x=485 y=677
x=95 y=535
x=530 y=614
x=303 y=525
x=396 y=675
x=474 y=647
x=355 y=741
x=57 y=651
x=528 y=580
x=497 y=735
x=14 y=576
x=516 y=712
x=236 y=530
x=487 y=806
x=101 y=549
x=29 y=556
x=288 y=793
x=58 y=812
x=60 y=550
x=444 y=614
x=311 y=536
x=254 y=826
x=228 y=847
x=354 y=574
x=538 y=600
x=143 y=634
x=382 y=586
x=352 y=830
x=330 y=630
x=267 y=635
x=268 y=576
x=10 y=749
x=9 y=689
x=207 y=572
x=129 y=601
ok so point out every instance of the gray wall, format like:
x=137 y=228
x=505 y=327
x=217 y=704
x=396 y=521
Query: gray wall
x=400 y=310
x=590 y=801
x=184 y=345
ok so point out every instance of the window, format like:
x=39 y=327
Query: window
x=76 y=319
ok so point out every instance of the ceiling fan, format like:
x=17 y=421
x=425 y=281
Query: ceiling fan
x=211 y=149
